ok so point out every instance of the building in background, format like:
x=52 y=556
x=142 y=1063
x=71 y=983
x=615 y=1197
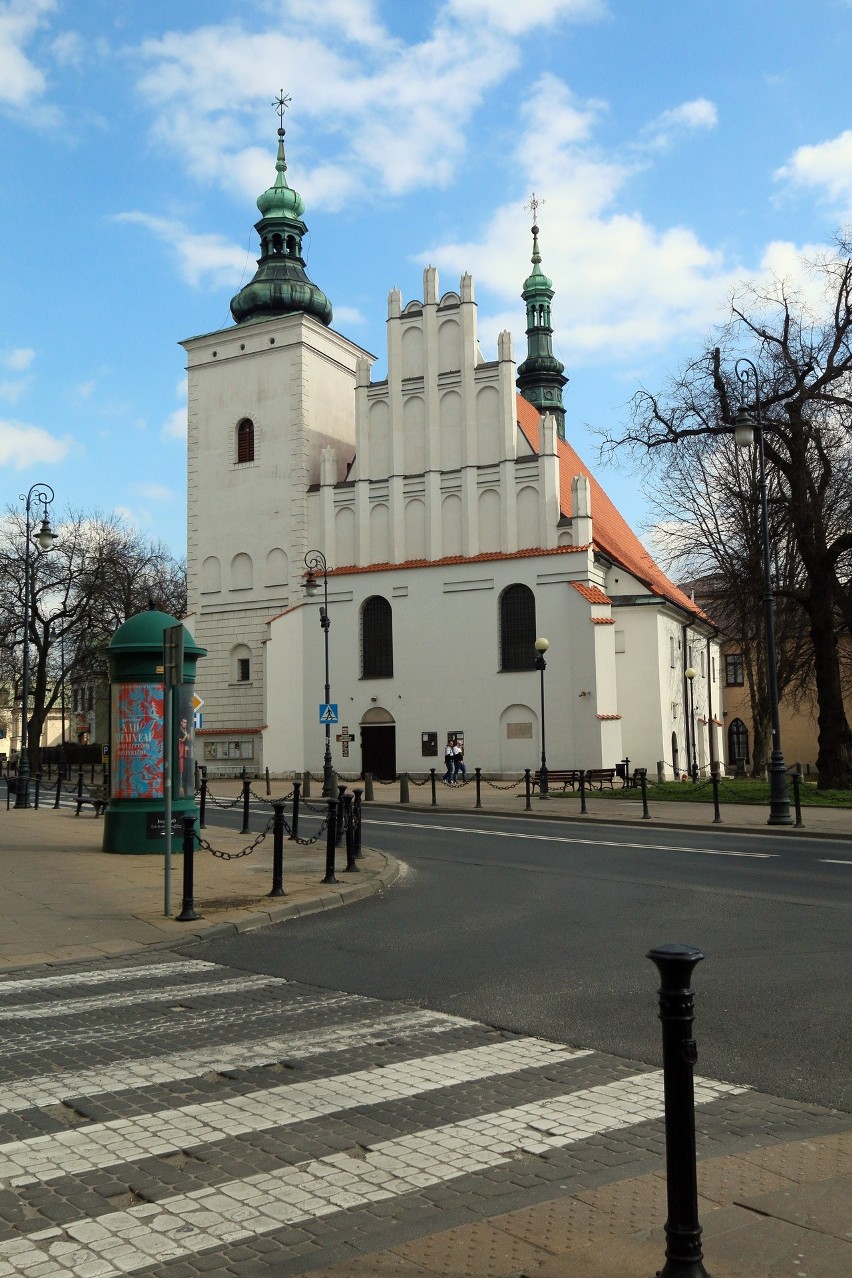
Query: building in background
x=458 y=525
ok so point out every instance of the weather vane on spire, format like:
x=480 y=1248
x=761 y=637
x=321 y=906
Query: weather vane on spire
x=533 y=206
x=281 y=102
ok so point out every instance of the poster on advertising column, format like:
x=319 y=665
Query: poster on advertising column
x=137 y=741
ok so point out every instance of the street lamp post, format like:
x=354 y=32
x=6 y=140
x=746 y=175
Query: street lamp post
x=317 y=566
x=690 y=674
x=44 y=539
x=746 y=426
x=541 y=647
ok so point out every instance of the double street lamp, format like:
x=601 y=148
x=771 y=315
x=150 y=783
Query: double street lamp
x=541 y=647
x=690 y=674
x=317 y=566
x=747 y=425
x=43 y=495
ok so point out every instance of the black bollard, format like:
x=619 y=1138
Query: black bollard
x=583 y=793
x=246 y=798
x=187 y=909
x=434 y=795
x=268 y=788
x=717 y=815
x=306 y=785
x=527 y=790
x=202 y=801
x=58 y=790
x=80 y=785
x=675 y=964
x=297 y=786
x=797 y=797
x=643 y=781
x=37 y=790
x=404 y=796
x=278 y=850
x=92 y=777
x=330 y=842
x=197 y=777
x=356 y=818
x=351 y=863
x=341 y=816
x=368 y=787
x=478 y=775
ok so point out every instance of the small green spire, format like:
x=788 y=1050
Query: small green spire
x=541 y=376
x=280 y=285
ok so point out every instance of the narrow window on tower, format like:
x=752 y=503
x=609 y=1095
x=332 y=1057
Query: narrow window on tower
x=517 y=628
x=245 y=441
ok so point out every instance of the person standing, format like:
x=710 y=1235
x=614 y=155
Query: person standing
x=459 y=770
x=449 y=761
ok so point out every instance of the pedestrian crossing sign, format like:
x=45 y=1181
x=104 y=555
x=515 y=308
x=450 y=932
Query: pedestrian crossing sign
x=328 y=712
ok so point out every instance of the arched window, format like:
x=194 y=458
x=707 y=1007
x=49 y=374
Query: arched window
x=737 y=741
x=517 y=628
x=245 y=441
x=376 y=639
x=241 y=664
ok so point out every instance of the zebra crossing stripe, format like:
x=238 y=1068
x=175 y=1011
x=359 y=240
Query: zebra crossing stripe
x=51 y=1089
x=102 y=976
x=96 y=1003
x=187 y=1224
x=99 y=1145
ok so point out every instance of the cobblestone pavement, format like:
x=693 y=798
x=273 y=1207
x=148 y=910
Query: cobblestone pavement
x=171 y=1117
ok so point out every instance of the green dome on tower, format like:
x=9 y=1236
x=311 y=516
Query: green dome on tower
x=280 y=285
x=541 y=377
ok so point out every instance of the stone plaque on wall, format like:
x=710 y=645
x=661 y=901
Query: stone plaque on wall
x=519 y=731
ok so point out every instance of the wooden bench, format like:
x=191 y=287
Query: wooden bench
x=96 y=796
x=598 y=776
x=557 y=776
x=635 y=780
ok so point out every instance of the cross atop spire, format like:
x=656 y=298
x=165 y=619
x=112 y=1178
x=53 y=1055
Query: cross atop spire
x=533 y=206
x=281 y=102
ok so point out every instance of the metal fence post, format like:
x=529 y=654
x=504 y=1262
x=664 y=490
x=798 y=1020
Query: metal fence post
x=368 y=787
x=58 y=789
x=432 y=779
x=278 y=850
x=797 y=797
x=643 y=781
x=330 y=842
x=202 y=800
x=356 y=819
x=351 y=863
x=246 y=797
x=268 y=787
x=403 y=788
x=675 y=964
x=717 y=815
x=341 y=816
x=297 y=786
x=187 y=910
x=37 y=790
x=527 y=790
x=583 y=793
x=478 y=775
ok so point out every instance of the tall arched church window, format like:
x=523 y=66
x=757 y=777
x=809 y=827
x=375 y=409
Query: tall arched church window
x=245 y=441
x=376 y=639
x=737 y=740
x=517 y=628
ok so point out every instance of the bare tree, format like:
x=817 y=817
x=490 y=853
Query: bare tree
x=803 y=354
x=97 y=574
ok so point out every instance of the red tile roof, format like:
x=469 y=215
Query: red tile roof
x=602 y=621
x=594 y=594
x=611 y=532
x=488 y=557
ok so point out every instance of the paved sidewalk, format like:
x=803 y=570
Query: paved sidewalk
x=769 y=1209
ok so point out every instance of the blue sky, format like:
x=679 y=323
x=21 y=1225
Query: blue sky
x=681 y=147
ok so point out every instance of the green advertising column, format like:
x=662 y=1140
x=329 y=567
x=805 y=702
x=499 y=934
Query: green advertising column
x=135 y=818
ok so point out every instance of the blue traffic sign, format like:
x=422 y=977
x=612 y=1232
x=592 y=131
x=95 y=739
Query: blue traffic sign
x=328 y=712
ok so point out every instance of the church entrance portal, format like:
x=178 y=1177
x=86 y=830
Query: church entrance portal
x=378 y=744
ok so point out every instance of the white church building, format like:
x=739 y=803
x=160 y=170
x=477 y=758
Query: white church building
x=457 y=526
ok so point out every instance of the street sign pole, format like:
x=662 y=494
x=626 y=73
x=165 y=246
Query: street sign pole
x=172 y=677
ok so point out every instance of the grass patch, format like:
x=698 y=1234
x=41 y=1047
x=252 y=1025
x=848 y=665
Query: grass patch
x=730 y=791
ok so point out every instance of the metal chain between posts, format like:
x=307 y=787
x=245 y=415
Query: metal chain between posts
x=305 y=843
x=269 y=802
x=221 y=803
x=310 y=806
x=513 y=785
x=234 y=856
x=425 y=780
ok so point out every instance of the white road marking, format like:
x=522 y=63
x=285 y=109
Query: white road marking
x=104 y=976
x=99 y=1145
x=52 y=1089
x=173 y=993
x=555 y=838
x=826 y=860
x=186 y=1224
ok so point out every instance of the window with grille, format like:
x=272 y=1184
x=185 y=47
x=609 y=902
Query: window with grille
x=245 y=441
x=244 y=669
x=737 y=740
x=517 y=628
x=734 y=670
x=376 y=639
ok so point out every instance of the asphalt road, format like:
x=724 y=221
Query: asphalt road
x=543 y=928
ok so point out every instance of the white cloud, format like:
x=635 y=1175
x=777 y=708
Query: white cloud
x=700 y=113
x=22 y=445
x=156 y=492
x=174 y=427
x=21 y=81
x=627 y=286
x=201 y=259
x=18 y=359
x=347 y=316
x=67 y=49
x=825 y=167
x=516 y=18
x=12 y=391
